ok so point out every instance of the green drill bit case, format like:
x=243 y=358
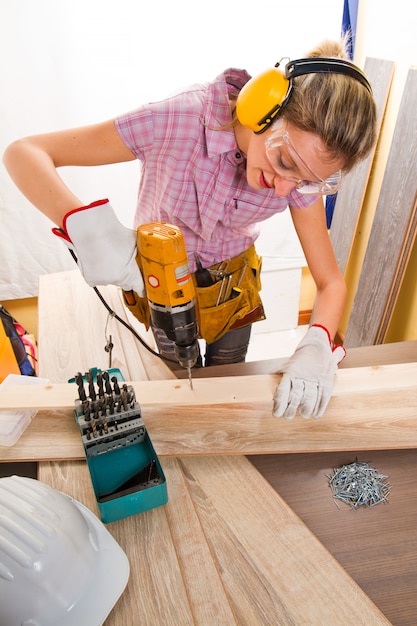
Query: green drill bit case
x=125 y=471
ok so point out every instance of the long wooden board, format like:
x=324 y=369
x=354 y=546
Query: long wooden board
x=230 y=390
x=227 y=550
x=352 y=193
x=390 y=231
x=373 y=408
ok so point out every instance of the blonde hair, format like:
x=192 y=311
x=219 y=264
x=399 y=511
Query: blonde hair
x=336 y=107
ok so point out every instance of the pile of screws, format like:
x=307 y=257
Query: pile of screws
x=359 y=484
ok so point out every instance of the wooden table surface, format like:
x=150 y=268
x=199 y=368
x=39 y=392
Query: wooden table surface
x=263 y=574
x=377 y=546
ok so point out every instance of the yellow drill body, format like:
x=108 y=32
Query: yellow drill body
x=169 y=287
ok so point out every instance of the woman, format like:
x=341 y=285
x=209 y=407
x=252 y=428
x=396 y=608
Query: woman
x=216 y=172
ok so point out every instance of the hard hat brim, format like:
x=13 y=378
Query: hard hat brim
x=110 y=579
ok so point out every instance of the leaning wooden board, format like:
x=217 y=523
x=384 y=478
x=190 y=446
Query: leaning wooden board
x=226 y=549
x=372 y=408
x=351 y=196
x=393 y=230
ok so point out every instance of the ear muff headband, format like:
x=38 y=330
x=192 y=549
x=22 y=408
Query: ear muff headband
x=321 y=65
x=271 y=90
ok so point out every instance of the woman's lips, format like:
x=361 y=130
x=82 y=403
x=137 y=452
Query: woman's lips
x=263 y=182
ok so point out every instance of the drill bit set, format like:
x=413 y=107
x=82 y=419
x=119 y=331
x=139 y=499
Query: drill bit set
x=125 y=472
x=103 y=411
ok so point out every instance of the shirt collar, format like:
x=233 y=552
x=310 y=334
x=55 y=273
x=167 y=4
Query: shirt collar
x=217 y=111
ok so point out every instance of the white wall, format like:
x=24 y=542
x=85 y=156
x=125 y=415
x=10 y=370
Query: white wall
x=70 y=63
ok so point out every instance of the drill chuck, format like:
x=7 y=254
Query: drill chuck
x=187 y=355
x=180 y=326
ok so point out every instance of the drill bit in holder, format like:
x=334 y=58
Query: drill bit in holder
x=125 y=471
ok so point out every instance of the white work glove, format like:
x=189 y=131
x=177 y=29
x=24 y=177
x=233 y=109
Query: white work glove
x=105 y=249
x=308 y=376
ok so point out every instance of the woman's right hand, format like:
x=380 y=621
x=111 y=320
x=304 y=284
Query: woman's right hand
x=105 y=250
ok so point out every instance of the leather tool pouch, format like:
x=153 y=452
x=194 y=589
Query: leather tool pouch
x=233 y=301
x=229 y=303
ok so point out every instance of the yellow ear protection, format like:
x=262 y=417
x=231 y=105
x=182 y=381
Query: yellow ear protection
x=264 y=97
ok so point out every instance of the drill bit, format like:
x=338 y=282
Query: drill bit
x=190 y=378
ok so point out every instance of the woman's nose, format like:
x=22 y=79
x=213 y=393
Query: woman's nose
x=283 y=186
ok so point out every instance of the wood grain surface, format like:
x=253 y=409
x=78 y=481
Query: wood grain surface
x=230 y=391
x=350 y=197
x=226 y=549
x=377 y=546
x=365 y=356
x=390 y=227
x=373 y=411
x=74 y=329
x=409 y=240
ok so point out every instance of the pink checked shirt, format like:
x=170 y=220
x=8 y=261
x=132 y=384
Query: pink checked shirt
x=193 y=174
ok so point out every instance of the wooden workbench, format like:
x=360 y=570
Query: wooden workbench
x=227 y=549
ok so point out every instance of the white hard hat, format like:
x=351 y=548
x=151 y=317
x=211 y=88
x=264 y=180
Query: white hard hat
x=58 y=563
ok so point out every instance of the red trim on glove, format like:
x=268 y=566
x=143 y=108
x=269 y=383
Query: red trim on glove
x=334 y=347
x=62 y=232
x=82 y=208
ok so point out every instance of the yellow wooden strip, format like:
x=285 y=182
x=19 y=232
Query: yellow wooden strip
x=231 y=390
x=273 y=568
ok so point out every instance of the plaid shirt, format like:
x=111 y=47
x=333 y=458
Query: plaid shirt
x=193 y=174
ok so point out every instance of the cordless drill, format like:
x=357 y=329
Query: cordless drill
x=169 y=288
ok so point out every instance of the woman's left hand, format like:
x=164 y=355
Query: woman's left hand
x=308 y=376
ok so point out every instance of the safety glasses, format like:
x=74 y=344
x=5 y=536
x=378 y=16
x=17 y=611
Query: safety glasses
x=284 y=156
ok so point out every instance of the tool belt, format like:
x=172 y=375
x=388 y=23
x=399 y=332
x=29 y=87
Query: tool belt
x=231 y=302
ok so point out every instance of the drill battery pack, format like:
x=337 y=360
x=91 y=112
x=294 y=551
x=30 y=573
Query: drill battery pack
x=125 y=471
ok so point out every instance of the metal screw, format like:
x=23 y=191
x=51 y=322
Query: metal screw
x=359 y=484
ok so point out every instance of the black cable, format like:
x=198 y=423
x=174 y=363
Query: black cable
x=132 y=330
x=125 y=324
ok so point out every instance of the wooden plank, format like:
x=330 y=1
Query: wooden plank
x=375 y=409
x=231 y=390
x=274 y=570
x=391 y=226
x=248 y=567
x=74 y=327
x=383 y=354
x=410 y=238
x=205 y=590
x=352 y=193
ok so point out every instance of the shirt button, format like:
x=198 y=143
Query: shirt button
x=238 y=155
